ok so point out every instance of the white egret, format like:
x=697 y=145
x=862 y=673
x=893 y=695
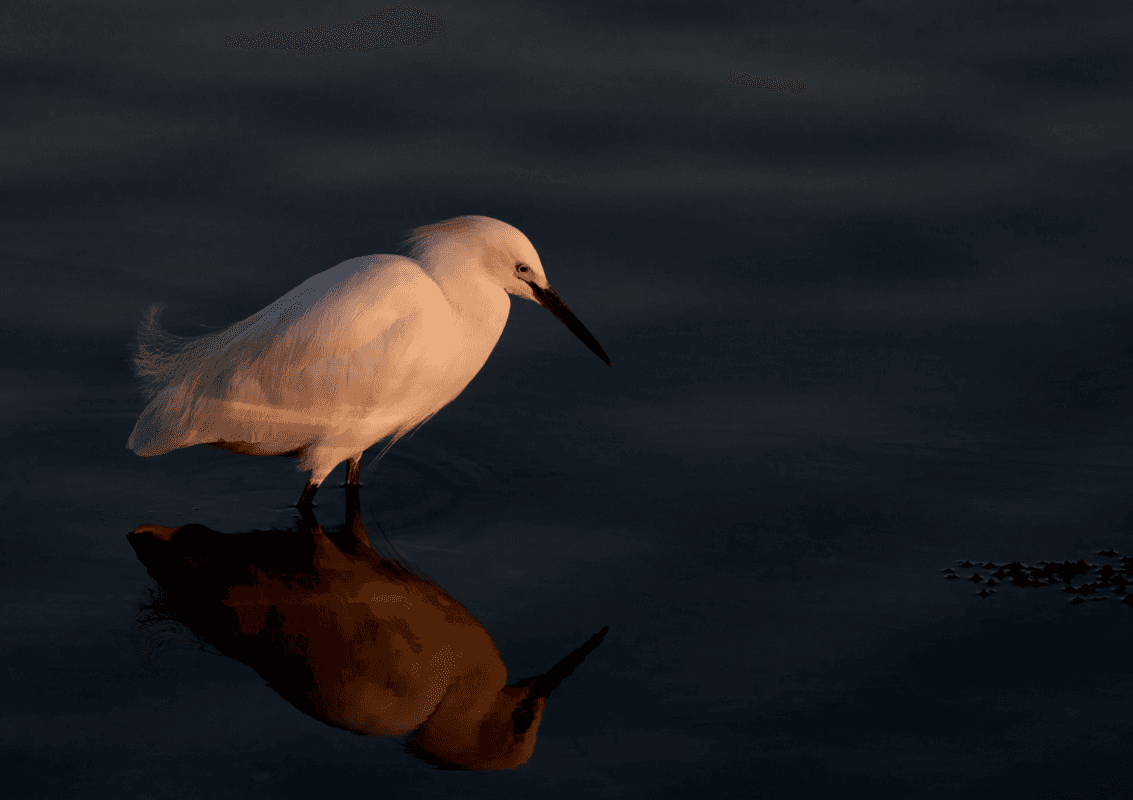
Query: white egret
x=366 y=351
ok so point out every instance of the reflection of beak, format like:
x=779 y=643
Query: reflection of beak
x=543 y=685
x=540 y=686
x=550 y=301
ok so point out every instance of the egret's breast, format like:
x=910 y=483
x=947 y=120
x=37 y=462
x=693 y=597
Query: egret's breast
x=452 y=351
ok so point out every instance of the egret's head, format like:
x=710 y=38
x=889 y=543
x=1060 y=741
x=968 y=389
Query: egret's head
x=482 y=247
x=505 y=256
x=510 y=259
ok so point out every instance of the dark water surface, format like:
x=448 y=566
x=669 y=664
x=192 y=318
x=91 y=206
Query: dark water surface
x=860 y=333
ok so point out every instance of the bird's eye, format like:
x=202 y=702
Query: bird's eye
x=521 y=268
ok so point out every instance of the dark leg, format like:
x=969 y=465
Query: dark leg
x=353 y=470
x=354 y=515
x=306 y=500
x=307 y=516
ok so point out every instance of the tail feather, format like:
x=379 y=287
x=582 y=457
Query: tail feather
x=163 y=361
x=155 y=433
x=162 y=358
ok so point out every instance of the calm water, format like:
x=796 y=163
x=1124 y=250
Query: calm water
x=860 y=333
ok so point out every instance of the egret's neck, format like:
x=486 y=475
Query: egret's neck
x=470 y=292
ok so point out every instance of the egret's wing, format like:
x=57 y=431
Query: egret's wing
x=350 y=338
x=356 y=342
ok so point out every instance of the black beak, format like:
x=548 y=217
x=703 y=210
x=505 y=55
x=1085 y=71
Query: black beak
x=550 y=301
x=543 y=685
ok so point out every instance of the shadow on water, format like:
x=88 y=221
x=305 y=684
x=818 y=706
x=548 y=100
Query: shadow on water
x=356 y=639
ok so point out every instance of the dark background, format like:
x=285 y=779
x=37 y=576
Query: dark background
x=859 y=332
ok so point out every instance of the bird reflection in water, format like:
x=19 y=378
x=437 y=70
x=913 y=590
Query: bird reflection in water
x=354 y=639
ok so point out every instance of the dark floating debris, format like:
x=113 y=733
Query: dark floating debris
x=767 y=82
x=383 y=30
x=1079 y=578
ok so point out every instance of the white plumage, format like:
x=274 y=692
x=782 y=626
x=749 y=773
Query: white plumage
x=363 y=352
